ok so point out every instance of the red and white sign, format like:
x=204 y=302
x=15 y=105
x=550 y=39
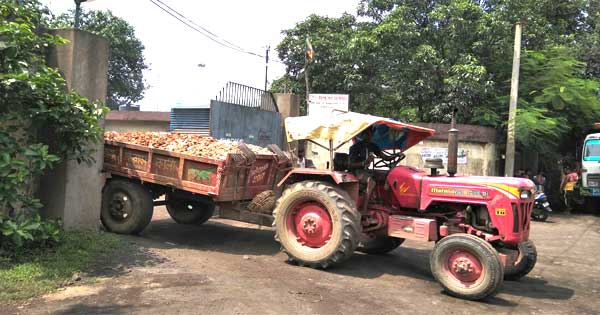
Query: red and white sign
x=325 y=104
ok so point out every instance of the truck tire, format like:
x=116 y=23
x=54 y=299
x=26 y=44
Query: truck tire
x=467 y=266
x=189 y=211
x=525 y=262
x=379 y=245
x=316 y=224
x=127 y=206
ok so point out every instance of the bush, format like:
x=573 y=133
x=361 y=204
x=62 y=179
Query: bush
x=27 y=231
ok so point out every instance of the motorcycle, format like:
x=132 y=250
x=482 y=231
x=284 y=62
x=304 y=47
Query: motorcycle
x=541 y=207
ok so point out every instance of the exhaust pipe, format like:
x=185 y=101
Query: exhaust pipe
x=452 y=146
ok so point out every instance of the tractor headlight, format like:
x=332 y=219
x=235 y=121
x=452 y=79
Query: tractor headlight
x=525 y=194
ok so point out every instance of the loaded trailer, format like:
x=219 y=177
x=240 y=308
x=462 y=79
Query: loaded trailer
x=480 y=225
x=192 y=186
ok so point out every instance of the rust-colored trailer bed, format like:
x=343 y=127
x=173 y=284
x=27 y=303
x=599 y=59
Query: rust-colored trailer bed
x=239 y=177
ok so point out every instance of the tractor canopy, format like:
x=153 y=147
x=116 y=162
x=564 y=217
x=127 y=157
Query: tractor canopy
x=340 y=128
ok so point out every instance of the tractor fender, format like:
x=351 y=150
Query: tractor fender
x=344 y=180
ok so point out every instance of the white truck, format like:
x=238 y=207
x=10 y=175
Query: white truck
x=590 y=181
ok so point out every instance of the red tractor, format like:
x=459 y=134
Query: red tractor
x=480 y=225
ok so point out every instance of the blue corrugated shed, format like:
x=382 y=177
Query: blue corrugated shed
x=190 y=120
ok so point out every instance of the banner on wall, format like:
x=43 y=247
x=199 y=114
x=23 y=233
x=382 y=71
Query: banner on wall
x=324 y=104
x=442 y=153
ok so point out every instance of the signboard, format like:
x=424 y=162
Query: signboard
x=325 y=104
x=442 y=153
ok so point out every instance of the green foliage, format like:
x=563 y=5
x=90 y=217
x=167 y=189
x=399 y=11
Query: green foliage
x=555 y=98
x=41 y=121
x=126 y=61
x=35 y=272
x=419 y=59
x=25 y=231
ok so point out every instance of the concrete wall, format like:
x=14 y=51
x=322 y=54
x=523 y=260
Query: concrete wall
x=481 y=157
x=479 y=144
x=231 y=121
x=73 y=191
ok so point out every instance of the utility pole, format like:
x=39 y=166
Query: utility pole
x=267 y=66
x=78 y=12
x=509 y=166
x=306 y=81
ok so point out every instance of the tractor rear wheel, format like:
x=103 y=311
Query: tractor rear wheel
x=317 y=224
x=524 y=264
x=379 y=245
x=189 y=211
x=467 y=266
x=127 y=206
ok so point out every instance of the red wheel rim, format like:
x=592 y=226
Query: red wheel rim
x=310 y=224
x=463 y=266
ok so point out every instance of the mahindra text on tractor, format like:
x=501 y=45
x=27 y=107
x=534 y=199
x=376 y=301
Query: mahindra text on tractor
x=480 y=225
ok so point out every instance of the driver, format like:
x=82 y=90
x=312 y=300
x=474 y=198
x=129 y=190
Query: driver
x=360 y=158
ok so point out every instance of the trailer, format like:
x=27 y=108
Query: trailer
x=192 y=186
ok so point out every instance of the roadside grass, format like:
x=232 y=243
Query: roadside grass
x=38 y=272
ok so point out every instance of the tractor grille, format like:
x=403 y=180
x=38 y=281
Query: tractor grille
x=521 y=215
x=593 y=180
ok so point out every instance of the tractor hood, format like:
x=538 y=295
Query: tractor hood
x=511 y=185
x=340 y=128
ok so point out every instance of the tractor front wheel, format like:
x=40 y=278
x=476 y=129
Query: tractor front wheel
x=467 y=266
x=524 y=264
x=317 y=224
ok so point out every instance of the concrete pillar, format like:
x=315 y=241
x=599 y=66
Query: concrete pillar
x=289 y=106
x=73 y=191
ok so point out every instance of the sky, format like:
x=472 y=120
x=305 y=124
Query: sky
x=173 y=51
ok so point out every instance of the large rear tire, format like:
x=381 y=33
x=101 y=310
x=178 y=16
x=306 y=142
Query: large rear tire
x=467 y=266
x=189 y=211
x=127 y=206
x=524 y=264
x=379 y=245
x=317 y=224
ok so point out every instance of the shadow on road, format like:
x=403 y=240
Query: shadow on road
x=404 y=261
x=537 y=289
x=96 y=309
x=213 y=236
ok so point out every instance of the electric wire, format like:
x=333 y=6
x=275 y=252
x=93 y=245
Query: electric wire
x=203 y=31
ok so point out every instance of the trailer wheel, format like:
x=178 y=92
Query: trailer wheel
x=525 y=262
x=380 y=245
x=317 y=224
x=127 y=206
x=188 y=211
x=467 y=266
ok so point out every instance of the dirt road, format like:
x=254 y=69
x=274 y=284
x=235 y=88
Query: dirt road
x=220 y=268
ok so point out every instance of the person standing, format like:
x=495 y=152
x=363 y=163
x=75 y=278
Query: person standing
x=567 y=187
x=540 y=181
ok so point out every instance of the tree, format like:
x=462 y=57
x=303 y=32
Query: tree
x=417 y=60
x=556 y=99
x=126 y=61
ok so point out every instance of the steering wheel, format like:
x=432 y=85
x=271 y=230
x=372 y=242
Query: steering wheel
x=389 y=160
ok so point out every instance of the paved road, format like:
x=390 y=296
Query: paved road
x=229 y=268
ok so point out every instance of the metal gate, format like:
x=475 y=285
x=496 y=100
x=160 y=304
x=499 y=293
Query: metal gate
x=240 y=112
